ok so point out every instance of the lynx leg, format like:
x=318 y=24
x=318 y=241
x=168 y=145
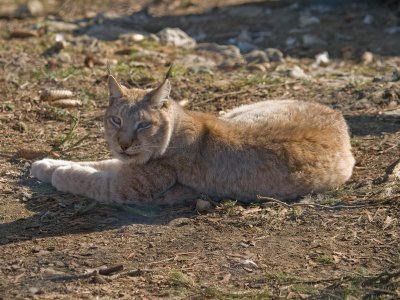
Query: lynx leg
x=127 y=185
x=43 y=169
x=176 y=194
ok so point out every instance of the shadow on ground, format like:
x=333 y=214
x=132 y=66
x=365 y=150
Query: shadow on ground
x=362 y=125
x=58 y=214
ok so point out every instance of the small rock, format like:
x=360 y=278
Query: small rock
x=245 y=46
x=245 y=12
x=290 y=41
x=392 y=30
x=274 y=54
x=63 y=57
x=33 y=8
x=98 y=280
x=35 y=291
x=310 y=40
x=230 y=54
x=322 y=59
x=362 y=104
x=179 y=222
x=202 y=205
x=393 y=113
x=367 y=58
x=134 y=37
x=257 y=67
x=194 y=61
x=306 y=20
x=368 y=19
x=23 y=33
x=298 y=72
x=106 y=32
x=153 y=37
x=256 y=56
x=176 y=37
x=59 y=26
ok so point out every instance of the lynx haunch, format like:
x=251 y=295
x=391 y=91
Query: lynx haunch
x=164 y=153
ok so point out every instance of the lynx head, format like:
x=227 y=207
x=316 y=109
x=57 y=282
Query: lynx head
x=138 y=123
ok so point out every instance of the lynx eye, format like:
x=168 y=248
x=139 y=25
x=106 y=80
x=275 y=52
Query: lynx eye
x=116 y=120
x=143 y=125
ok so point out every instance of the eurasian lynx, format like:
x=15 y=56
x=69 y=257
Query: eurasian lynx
x=165 y=154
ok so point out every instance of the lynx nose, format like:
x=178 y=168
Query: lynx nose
x=124 y=145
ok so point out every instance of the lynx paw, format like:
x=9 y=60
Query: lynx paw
x=43 y=169
x=59 y=180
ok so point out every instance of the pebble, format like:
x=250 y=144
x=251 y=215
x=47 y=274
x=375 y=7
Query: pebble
x=194 y=61
x=33 y=8
x=306 y=20
x=367 y=58
x=98 y=280
x=202 y=205
x=368 y=20
x=59 y=26
x=245 y=12
x=392 y=30
x=176 y=37
x=134 y=37
x=257 y=67
x=310 y=40
x=231 y=55
x=274 y=55
x=322 y=59
x=106 y=32
x=256 y=56
x=297 y=72
x=35 y=291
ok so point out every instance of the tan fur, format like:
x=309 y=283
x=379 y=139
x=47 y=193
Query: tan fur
x=281 y=149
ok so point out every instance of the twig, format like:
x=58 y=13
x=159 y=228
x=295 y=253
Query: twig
x=161 y=261
x=68 y=136
x=76 y=144
x=72 y=277
x=382 y=291
x=221 y=96
x=111 y=270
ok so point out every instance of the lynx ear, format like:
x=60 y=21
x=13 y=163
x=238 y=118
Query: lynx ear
x=161 y=94
x=115 y=89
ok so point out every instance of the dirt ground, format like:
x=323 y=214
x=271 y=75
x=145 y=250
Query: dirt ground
x=342 y=244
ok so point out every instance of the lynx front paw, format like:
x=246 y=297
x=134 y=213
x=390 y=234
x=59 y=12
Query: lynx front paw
x=59 y=180
x=44 y=169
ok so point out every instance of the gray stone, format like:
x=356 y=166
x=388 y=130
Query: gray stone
x=362 y=104
x=246 y=12
x=274 y=54
x=290 y=41
x=393 y=113
x=202 y=205
x=256 y=56
x=368 y=19
x=60 y=26
x=310 y=40
x=176 y=37
x=306 y=20
x=298 y=72
x=229 y=54
x=392 y=30
x=228 y=51
x=106 y=32
x=63 y=57
x=194 y=61
x=33 y=8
